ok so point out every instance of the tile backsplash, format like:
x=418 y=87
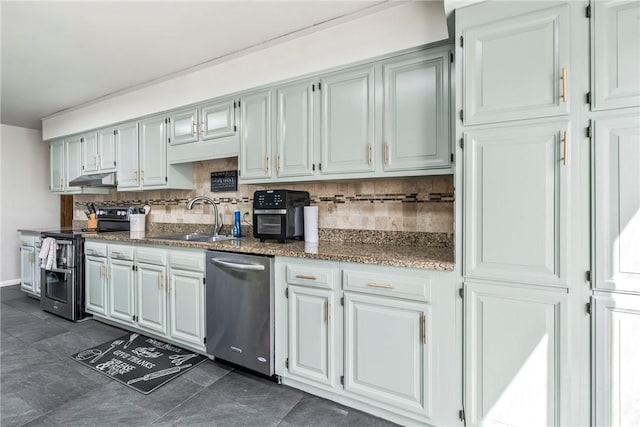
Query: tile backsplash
x=420 y=204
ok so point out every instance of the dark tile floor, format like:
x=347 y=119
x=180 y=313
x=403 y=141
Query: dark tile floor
x=40 y=385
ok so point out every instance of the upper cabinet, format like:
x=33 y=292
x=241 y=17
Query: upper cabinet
x=255 y=137
x=416 y=123
x=295 y=109
x=515 y=61
x=347 y=122
x=389 y=118
x=209 y=131
x=615 y=43
x=65 y=165
x=142 y=163
x=98 y=151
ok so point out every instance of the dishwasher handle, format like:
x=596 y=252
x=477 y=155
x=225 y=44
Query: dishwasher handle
x=254 y=267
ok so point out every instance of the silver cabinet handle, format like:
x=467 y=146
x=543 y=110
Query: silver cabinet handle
x=254 y=267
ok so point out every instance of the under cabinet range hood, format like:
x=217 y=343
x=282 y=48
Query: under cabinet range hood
x=98 y=180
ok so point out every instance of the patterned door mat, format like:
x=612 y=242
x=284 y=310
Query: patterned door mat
x=139 y=362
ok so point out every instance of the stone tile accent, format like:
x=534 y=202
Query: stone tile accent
x=420 y=204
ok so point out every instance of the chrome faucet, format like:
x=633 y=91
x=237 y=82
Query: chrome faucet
x=218 y=225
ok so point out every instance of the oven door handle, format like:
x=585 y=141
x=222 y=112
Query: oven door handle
x=59 y=270
x=254 y=267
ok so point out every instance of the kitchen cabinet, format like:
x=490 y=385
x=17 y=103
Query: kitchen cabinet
x=142 y=158
x=150 y=290
x=417 y=111
x=98 y=151
x=314 y=323
x=516 y=203
x=183 y=126
x=380 y=333
x=515 y=61
x=295 y=119
x=30 y=244
x=186 y=306
x=615 y=65
x=255 y=135
x=56 y=166
x=347 y=116
x=72 y=162
x=209 y=131
x=376 y=338
x=616 y=203
x=151 y=284
x=127 y=150
x=27 y=259
x=96 y=290
x=153 y=152
x=516 y=355
x=616 y=382
x=122 y=291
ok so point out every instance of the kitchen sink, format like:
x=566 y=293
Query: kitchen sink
x=194 y=237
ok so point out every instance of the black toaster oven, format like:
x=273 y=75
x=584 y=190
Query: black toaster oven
x=279 y=214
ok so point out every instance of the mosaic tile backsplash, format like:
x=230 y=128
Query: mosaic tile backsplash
x=421 y=204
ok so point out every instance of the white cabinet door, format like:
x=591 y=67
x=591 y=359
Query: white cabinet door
x=516 y=204
x=121 y=305
x=218 y=120
x=616 y=385
x=95 y=269
x=89 y=142
x=387 y=357
x=27 y=260
x=312 y=334
x=72 y=161
x=56 y=166
x=255 y=135
x=127 y=150
x=616 y=202
x=417 y=112
x=152 y=298
x=513 y=61
x=183 y=126
x=153 y=152
x=107 y=150
x=347 y=122
x=516 y=350
x=186 y=307
x=294 y=129
x=615 y=39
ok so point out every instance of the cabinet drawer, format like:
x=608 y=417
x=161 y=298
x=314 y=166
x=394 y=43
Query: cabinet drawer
x=314 y=275
x=28 y=240
x=121 y=252
x=95 y=249
x=396 y=285
x=193 y=261
x=151 y=256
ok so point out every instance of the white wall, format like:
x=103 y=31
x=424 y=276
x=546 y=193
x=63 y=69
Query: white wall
x=25 y=200
x=396 y=28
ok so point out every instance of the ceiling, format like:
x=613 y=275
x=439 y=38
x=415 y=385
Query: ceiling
x=58 y=54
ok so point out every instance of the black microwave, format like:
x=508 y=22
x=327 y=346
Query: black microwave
x=279 y=214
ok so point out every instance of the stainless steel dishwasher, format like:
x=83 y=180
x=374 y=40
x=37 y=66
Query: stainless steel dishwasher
x=239 y=308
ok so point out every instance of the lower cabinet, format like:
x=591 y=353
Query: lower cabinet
x=365 y=335
x=516 y=354
x=616 y=351
x=30 y=264
x=95 y=294
x=386 y=351
x=186 y=306
x=151 y=290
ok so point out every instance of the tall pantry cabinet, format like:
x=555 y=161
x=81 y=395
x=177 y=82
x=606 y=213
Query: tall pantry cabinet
x=544 y=136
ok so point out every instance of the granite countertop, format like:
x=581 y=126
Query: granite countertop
x=410 y=256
